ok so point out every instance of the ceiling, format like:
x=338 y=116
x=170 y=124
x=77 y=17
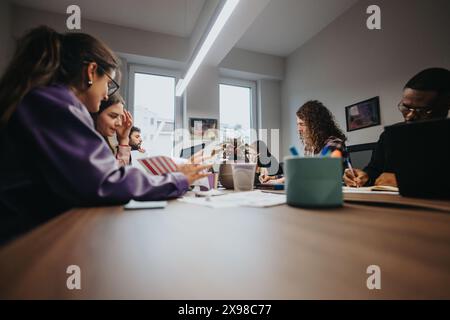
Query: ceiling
x=282 y=27
x=285 y=25
x=173 y=17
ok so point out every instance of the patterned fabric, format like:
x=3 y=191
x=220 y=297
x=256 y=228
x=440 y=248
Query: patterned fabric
x=333 y=143
x=158 y=165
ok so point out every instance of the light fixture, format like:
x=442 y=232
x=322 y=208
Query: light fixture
x=218 y=25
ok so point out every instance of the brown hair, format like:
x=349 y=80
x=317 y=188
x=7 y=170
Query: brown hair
x=321 y=125
x=112 y=100
x=105 y=104
x=44 y=56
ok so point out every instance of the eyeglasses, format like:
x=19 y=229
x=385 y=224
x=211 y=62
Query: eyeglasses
x=420 y=111
x=113 y=86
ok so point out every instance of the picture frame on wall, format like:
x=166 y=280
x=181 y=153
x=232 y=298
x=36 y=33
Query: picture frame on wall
x=364 y=114
x=203 y=129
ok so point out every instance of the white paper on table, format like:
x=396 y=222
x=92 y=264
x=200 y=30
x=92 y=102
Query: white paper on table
x=367 y=190
x=135 y=156
x=136 y=205
x=209 y=193
x=255 y=199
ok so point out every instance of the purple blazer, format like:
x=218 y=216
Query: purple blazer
x=52 y=159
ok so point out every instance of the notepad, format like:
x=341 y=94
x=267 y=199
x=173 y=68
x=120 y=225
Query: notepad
x=383 y=188
x=137 y=205
x=209 y=193
x=372 y=189
x=255 y=199
x=158 y=165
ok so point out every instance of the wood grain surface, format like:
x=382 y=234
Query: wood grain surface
x=193 y=252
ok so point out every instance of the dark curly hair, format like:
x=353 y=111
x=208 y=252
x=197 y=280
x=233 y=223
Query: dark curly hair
x=321 y=126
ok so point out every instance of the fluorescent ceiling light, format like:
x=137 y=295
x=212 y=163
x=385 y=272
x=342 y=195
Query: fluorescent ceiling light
x=220 y=22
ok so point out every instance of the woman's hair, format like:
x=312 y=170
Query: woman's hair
x=112 y=100
x=105 y=104
x=43 y=57
x=321 y=126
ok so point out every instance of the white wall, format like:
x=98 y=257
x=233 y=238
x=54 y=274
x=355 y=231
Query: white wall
x=202 y=96
x=346 y=63
x=261 y=66
x=120 y=39
x=5 y=35
x=269 y=115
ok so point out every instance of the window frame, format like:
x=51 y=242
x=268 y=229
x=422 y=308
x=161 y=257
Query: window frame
x=133 y=69
x=252 y=85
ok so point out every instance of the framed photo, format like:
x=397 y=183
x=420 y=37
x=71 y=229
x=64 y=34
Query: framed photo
x=363 y=114
x=203 y=129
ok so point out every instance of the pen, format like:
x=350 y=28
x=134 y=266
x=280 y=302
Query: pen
x=293 y=151
x=351 y=169
x=325 y=151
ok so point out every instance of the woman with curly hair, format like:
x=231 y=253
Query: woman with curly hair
x=317 y=129
x=318 y=132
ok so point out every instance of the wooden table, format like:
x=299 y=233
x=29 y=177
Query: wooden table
x=193 y=252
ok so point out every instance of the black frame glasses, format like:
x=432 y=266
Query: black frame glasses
x=422 y=111
x=113 y=86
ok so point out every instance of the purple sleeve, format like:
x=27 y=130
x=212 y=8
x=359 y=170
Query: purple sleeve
x=75 y=161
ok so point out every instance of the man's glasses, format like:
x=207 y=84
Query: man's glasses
x=113 y=86
x=420 y=111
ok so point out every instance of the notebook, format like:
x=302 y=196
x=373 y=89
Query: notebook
x=373 y=189
x=158 y=165
x=137 y=205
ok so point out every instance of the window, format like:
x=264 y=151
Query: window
x=154 y=108
x=237 y=110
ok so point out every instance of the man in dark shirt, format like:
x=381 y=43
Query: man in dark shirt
x=426 y=96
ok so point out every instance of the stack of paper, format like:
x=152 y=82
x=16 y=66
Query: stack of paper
x=209 y=193
x=373 y=189
x=239 y=199
x=136 y=205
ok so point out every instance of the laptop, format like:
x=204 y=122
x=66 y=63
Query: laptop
x=189 y=152
x=420 y=154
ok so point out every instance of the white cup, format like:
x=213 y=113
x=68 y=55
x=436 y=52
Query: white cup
x=243 y=176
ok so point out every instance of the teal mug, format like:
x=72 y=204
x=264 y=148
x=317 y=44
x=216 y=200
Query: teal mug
x=313 y=182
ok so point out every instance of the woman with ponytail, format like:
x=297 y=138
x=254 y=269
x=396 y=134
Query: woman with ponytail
x=52 y=158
